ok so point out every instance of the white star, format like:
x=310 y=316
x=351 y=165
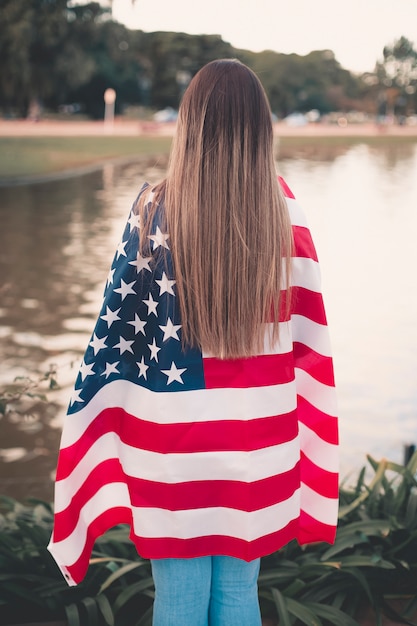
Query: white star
x=138 y=324
x=142 y=368
x=141 y=263
x=110 y=316
x=134 y=221
x=154 y=350
x=125 y=288
x=170 y=330
x=159 y=239
x=98 y=344
x=150 y=197
x=165 y=285
x=174 y=374
x=75 y=396
x=86 y=370
x=110 y=277
x=121 y=249
x=111 y=368
x=151 y=304
x=124 y=345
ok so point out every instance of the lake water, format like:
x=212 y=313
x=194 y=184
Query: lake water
x=57 y=240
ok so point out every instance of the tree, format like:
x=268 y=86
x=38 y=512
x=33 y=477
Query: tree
x=41 y=57
x=398 y=73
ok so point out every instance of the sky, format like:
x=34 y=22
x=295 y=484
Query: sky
x=355 y=30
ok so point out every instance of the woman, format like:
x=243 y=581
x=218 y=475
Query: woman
x=204 y=414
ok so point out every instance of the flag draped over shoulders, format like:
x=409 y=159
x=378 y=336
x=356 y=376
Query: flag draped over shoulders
x=198 y=455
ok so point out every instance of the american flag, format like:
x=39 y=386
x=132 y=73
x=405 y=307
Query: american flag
x=199 y=455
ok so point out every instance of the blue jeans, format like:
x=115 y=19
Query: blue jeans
x=211 y=590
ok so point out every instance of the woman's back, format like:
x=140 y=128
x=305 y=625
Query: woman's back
x=200 y=416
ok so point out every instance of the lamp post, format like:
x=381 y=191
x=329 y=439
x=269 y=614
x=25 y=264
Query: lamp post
x=109 y=100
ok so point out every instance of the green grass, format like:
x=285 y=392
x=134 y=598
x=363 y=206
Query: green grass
x=25 y=157
x=30 y=157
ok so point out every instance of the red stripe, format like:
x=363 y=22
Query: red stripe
x=179 y=496
x=170 y=547
x=220 y=435
x=303 y=243
x=256 y=371
x=287 y=191
x=102 y=523
x=309 y=304
x=312 y=531
x=324 y=483
x=325 y=426
x=318 y=366
x=110 y=471
x=304 y=530
x=216 y=493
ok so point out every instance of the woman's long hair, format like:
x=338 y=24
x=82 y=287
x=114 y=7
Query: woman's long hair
x=229 y=229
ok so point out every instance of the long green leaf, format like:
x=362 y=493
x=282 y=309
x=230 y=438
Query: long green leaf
x=379 y=476
x=146 y=619
x=343 y=544
x=281 y=607
x=119 y=573
x=73 y=615
x=92 y=610
x=362 y=580
x=125 y=596
x=105 y=608
x=333 y=615
x=303 y=613
x=20 y=593
x=365 y=561
x=412 y=464
x=367 y=527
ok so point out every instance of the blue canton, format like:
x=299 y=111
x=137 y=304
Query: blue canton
x=137 y=336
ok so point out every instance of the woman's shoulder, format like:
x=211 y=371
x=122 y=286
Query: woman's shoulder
x=146 y=195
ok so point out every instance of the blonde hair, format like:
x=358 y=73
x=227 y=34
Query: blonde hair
x=225 y=213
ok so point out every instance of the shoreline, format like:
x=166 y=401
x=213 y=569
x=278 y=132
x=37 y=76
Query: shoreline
x=132 y=128
x=129 y=130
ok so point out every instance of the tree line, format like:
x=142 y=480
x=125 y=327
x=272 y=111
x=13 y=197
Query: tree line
x=54 y=53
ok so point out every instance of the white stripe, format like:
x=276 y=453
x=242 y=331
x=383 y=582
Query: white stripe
x=320 y=452
x=68 y=551
x=323 y=397
x=176 y=468
x=201 y=405
x=319 y=507
x=311 y=334
x=297 y=215
x=183 y=524
x=305 y=273
x=249 y=526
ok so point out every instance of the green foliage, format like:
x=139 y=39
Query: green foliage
x=24 y=388
x=372 y=562
x=373 y=559
x=118 y=585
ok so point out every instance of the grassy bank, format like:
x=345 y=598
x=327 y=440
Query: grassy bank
x=25 y=157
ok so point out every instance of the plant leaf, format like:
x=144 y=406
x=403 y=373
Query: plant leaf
x=105 y=608
x=281 y=607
